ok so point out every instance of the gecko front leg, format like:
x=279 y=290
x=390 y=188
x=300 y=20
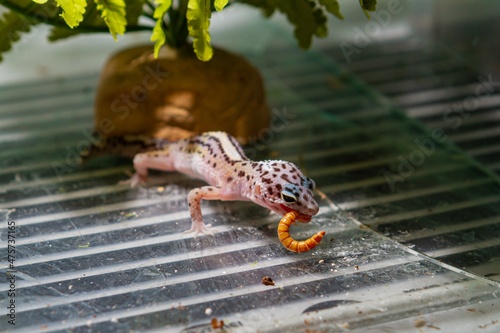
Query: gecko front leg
x=194 y=200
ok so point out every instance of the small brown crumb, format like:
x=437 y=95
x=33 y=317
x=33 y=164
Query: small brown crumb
x=267 y=281
x=419 y=323
x=471 y=310
x=356 y=267
x=217 y=323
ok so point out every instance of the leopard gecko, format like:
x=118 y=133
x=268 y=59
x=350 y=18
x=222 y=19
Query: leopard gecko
x=218 y=159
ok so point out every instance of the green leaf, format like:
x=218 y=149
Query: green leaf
x=113 y=12
x=198 y=16
x=73 y=11
x=158 y=35
x=162 y=7
x=92 y=19
x=307 y=16
x=368 y=6
x=220 y=4
x=40 y=1
x=332 y=6
x=11 y=27
x=299 y=13
x=320 y=19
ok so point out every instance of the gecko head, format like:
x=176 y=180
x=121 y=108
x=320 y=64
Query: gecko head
x=288 y=189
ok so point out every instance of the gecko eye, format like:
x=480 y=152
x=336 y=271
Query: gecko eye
x=288 y=196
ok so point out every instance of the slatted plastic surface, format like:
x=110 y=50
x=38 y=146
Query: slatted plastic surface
x=437 y=87
x=444 y=92
x=92 y=255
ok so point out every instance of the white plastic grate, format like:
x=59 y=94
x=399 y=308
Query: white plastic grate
x=92 y=255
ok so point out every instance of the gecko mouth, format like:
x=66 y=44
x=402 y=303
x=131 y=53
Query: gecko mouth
x=302 y=217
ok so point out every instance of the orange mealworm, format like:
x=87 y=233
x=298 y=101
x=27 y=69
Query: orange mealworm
x=292 y=244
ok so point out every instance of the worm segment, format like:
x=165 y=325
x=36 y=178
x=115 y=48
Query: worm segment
x=292 y=244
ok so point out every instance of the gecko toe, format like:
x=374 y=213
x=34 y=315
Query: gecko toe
x=204 y=229
x=134 y=181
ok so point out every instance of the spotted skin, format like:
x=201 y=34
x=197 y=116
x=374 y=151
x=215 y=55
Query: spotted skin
x=218 y=159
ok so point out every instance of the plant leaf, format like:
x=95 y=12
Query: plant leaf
x=307 y=18
x=198 y=20
x=220 y=4
x=40 y=1
x=162 y=7
x=158 y=35
x=11 y=27
x=299 y=13
x=114 y=14
x=320 y=19
x=73 y=11
x=332 y=6
x=368 y=6
x=92 y=18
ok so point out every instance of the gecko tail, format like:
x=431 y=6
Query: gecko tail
x=124 y=146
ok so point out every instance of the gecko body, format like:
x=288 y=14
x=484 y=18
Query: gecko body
x=218 y=159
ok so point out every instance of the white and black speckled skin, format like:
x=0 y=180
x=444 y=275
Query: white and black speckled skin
x=218 y=159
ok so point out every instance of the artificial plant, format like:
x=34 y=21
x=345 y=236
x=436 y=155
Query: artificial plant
x=172 y=22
